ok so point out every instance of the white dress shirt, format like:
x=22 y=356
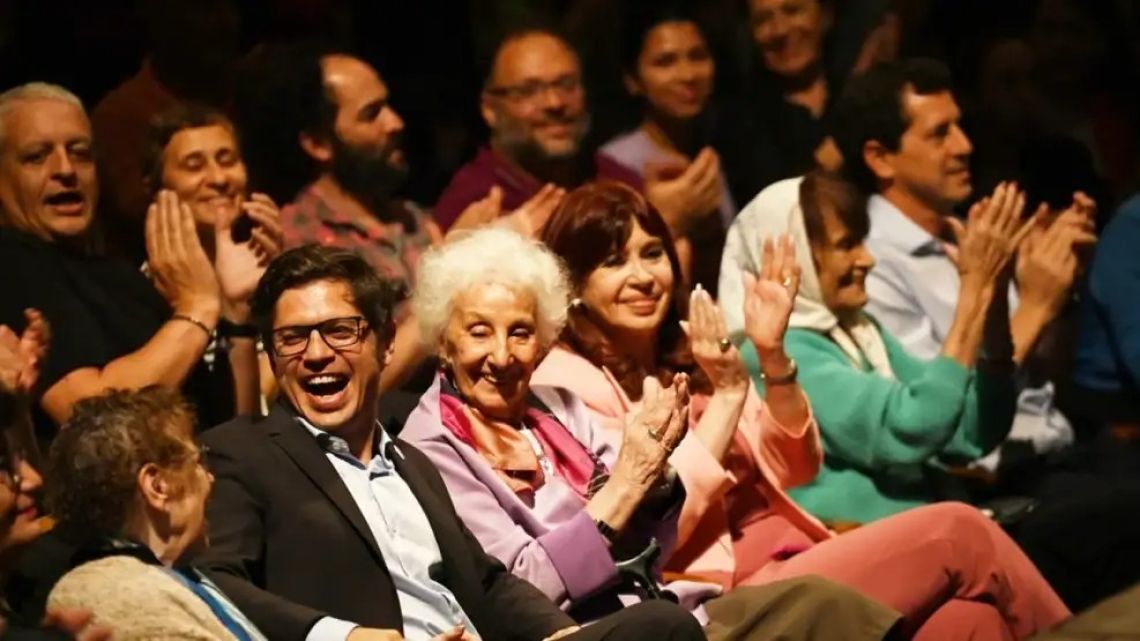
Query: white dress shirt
x=405 y=538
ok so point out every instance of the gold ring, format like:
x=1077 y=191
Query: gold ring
x=787 y=282
x=724 y=344
x=656 y=435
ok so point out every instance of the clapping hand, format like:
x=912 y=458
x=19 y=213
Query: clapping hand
x=21 y=356
x=684 y=192
x=481 y=212
x=713 y=351
x=987 y=242
x=178 y=264
x=1050 y=256
x=654 y=431
x=532 y=215
x=527 y=220
x=239 y=265
x=770 y=296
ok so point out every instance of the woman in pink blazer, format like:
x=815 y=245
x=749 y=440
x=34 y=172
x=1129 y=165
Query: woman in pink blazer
x=952 y=572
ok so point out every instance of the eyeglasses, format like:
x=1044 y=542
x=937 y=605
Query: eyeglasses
x=567 y=85
x=337 y=333
x=201 y=452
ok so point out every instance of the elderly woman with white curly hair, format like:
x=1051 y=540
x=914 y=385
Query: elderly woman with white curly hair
x=536 y=484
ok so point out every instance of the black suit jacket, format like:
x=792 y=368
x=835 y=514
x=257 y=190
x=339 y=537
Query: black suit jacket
x=289 y=545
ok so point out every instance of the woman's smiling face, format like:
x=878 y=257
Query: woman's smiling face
x=491 y=347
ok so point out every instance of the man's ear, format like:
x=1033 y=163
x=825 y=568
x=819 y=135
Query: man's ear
x=389 y=351
x=316 y=147
x=153 y=486
x=632 y=85
x=879 y=159
x=487 y=110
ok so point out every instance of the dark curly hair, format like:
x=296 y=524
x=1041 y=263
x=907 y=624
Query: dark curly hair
x=93 y=464
x=375 y=297
x=279 y=95
x=593 y=222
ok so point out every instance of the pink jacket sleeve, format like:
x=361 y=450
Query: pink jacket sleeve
x=792 y=455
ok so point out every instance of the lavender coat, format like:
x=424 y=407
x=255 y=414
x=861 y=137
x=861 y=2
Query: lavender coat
x=546 y=537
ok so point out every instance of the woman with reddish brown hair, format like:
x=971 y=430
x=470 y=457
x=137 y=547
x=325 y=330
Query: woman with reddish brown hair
x=951 y=572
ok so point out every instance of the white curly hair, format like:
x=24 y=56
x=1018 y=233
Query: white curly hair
x=490 y=255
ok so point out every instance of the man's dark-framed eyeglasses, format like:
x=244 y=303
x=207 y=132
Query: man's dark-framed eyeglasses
x=337 y=333
x=565 y=85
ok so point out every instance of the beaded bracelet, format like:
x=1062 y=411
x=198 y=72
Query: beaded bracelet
x=194 y=321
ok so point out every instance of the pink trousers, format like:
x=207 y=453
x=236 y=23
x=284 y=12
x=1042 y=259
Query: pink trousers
x=951 y=572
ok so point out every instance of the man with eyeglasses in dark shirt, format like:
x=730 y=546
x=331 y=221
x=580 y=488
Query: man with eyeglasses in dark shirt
x=534 y=103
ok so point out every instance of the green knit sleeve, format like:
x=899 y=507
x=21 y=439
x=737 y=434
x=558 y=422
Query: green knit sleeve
x=871 y=421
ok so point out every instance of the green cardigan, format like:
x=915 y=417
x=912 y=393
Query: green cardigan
x=884 y=439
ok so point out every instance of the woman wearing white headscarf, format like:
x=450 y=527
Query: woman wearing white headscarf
x=888 y=419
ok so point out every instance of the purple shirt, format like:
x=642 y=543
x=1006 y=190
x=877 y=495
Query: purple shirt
x=546 y=537
x=474 y=180
x=636 y=149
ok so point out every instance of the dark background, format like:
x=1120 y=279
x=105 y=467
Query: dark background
x=431 y=53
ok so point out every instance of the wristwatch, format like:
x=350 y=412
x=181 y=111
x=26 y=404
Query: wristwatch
x=227 y=329
x=607 y=532
x=785 y=379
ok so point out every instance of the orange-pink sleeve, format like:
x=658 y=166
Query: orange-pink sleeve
x=705 y=481
x=793 y=454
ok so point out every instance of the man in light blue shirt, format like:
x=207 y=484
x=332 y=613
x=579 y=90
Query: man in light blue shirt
x=898 y=126
x=323 y=527
x=404 y=535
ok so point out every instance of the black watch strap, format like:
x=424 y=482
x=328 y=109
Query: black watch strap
x=227 y=329
x=607 y=532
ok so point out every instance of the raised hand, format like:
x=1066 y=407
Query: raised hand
x=178 y=264
x=239 y=265
x=21 y=356
x=770 y=296
x=708 y=338
x=990 y=237
x=530 y=217
x=684 y=192
x=1050 y=257
x=651 y=434
x=481 y=212
x=267 y=238
x=527 y=220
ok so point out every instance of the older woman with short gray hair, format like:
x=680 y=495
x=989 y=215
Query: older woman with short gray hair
x=534 y=481
x=129 y=486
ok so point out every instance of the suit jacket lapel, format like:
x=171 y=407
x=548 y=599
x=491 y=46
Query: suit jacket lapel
x=439 y=516
x=299 y=445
